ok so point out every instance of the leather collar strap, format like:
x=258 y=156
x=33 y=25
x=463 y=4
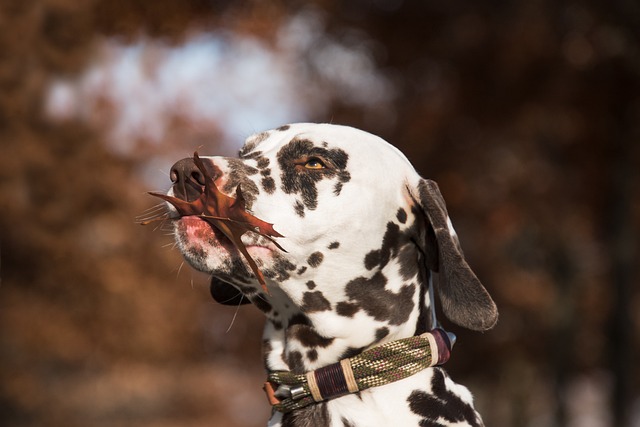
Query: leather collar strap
x=384 y=364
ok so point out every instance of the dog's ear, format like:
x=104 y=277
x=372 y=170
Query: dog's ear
x=225 y=293
x=464 y=300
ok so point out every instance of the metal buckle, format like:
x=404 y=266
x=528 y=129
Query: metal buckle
x=297 y=392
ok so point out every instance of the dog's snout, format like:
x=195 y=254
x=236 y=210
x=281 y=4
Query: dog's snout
x=188 y=181
x=184 y=170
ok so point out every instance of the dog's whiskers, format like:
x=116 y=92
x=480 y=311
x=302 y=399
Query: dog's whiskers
x=180 y=269
x=235 y=314
x=158 y=213
x=154 y=210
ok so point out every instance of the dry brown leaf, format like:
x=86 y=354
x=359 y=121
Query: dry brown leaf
x=227 y=214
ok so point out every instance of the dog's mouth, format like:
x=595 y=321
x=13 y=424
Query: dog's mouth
x=226 y=215
x=196 y=229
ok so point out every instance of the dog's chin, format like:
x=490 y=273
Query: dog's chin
x=208 y=250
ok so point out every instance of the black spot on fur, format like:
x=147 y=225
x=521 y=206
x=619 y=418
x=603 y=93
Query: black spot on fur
x=294 y=361
x=308 y=337
x=390 y=242
x=315 y=415
x=423 y=324
x=299 y=208
x=300 y=329
x=281 y=269
x=238 y=175
x=312 y=355
x=343 y=177
x=297 y=180
x=254 y=155
x=299 y=319
x=302 y=270
x=263 y=163
x=268 y=185
x=347 y=309
x=334 y=245
x=314 y=301
x=396 y=244
x=337 y=189
x=311 y=284
x=402 y=216
x=347 y=423
x=409 y=260
x=441 y=404
x=237 y=168
x=315 y=259
x=372 y=259
x=261 y=303
x=250 y=145
x=247 y=148
x=381 y=333
x=283 y=128
x=380 y=303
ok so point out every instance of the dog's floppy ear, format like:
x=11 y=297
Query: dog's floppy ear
x=225 y=293
x=464 y=300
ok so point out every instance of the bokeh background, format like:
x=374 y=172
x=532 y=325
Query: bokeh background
x=527 y=113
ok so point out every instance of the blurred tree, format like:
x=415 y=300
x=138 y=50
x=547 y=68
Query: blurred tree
x=526 y=113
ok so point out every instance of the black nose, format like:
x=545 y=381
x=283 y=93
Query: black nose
x=188 y=180
x=186 y=169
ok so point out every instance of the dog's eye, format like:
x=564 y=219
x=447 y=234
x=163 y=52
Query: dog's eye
x=314 y=163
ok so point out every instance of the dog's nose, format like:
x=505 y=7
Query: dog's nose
x=186 y=169
x=188 y=180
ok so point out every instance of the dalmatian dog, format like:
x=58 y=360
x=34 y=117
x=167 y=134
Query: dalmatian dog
x=362 y=238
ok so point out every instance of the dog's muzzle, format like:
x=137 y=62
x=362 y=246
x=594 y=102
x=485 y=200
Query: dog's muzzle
x=196 y=194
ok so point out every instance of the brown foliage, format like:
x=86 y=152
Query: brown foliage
x=526 y=113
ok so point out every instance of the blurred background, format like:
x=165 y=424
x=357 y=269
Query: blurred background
x=527 y=113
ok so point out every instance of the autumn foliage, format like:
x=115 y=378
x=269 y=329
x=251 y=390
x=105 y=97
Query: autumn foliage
x=527 y=114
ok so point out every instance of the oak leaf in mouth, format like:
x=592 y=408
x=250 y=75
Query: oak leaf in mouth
x=227 y=214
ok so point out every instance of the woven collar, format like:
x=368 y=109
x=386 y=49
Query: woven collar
x=384 y=364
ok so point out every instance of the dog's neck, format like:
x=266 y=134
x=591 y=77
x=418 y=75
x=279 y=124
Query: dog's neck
x=316 y=331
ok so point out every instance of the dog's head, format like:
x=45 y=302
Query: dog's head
x=361 y=230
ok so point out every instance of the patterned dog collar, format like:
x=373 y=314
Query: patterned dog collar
x=384 y=364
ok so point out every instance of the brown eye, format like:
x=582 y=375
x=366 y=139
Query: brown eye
x=314 y=163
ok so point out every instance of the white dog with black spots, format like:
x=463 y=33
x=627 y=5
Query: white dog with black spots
x=363 y=237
